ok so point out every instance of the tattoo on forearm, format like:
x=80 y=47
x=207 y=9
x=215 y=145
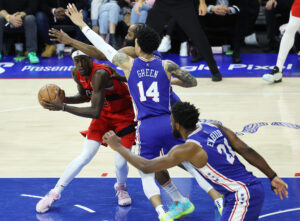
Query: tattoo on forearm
x=181 y=74
x=120 y=58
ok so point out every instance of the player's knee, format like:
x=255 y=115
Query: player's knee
x=149 y=186
x=120 y=161
x=84 y=159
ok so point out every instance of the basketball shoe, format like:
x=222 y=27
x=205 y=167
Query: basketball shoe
x=179 y=209
x=45 y=203
x=166 y=217
x=275 y=76
x=123 y=196
x=165 y=45
x=219 y=204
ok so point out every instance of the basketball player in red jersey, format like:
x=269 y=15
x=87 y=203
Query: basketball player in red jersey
x=162 y=177
x=111 y=109
x=287 y=42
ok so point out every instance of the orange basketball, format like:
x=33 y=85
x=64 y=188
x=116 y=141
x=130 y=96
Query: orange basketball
x=48 y=92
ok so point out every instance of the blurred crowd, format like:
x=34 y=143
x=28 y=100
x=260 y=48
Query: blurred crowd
x=24 y=26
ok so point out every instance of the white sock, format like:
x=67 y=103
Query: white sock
x=121 y=169
x=200 y=180
x=219 y=202
x=90 y=149
x=173 y=192
x=287 y=40
x=160 y=211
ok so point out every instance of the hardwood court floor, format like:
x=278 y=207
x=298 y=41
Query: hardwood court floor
x=39 y=143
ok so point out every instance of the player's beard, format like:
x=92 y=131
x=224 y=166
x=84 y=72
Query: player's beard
x=176 y=133
x=130 y=43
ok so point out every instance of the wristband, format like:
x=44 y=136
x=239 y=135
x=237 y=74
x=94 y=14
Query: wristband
x=272 y=177
x=63 y=107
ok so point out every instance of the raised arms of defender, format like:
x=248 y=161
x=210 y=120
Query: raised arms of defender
x=120 y=59
x=92 y=51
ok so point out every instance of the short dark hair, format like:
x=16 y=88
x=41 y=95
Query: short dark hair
x=148 y=39
x=186 y=114
x=138 y=26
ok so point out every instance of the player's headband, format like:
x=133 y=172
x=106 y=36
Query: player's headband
x=77 y=53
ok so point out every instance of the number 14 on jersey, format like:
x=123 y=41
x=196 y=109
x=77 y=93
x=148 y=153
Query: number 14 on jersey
x=151 y=92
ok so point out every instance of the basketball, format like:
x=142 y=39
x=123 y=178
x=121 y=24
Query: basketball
x=48 y=92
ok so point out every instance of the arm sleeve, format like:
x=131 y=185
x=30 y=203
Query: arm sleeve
x=209 y=9
x=234 y=9
x=99 y=43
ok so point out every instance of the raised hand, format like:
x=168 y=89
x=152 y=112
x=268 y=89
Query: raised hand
x=75 y=16
x=59 y=36
x=279 y=187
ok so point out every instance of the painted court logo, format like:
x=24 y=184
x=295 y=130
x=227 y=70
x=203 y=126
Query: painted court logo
x=4 y=65
x=254 y=127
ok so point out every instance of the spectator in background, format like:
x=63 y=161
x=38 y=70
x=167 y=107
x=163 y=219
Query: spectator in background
x=110 y=14
x=222 y=15
x=20 y=14
x=53 y=13
x=95 y=5
x=183 y=11
x=286 y=44
x=273 y=9
x=174 y=32
x=141 y=18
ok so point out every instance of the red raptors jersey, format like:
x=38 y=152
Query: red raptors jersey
x=296 y=8
x=117 y=104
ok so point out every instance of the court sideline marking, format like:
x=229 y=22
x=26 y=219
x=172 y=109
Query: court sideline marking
x=77 y=205
x=279 y=212
x=185 y=93
x=19 y=108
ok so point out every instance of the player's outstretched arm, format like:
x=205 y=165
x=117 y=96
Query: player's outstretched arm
x=254 y=158
x=64 y=38
x=176 y=156
x=97 y=41
x=184 y=78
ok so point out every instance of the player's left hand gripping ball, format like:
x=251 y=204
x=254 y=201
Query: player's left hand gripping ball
x=51 y=97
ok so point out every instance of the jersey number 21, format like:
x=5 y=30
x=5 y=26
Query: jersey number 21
x=227 y=150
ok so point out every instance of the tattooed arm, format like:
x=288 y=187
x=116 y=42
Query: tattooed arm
x=123 y=61
x=184 y=78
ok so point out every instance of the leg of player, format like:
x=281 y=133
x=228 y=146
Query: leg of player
x=152 y=192
x=181 y=205
x=287 y=42
x=120 y=186
x=215 y=195
x=89 y=151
